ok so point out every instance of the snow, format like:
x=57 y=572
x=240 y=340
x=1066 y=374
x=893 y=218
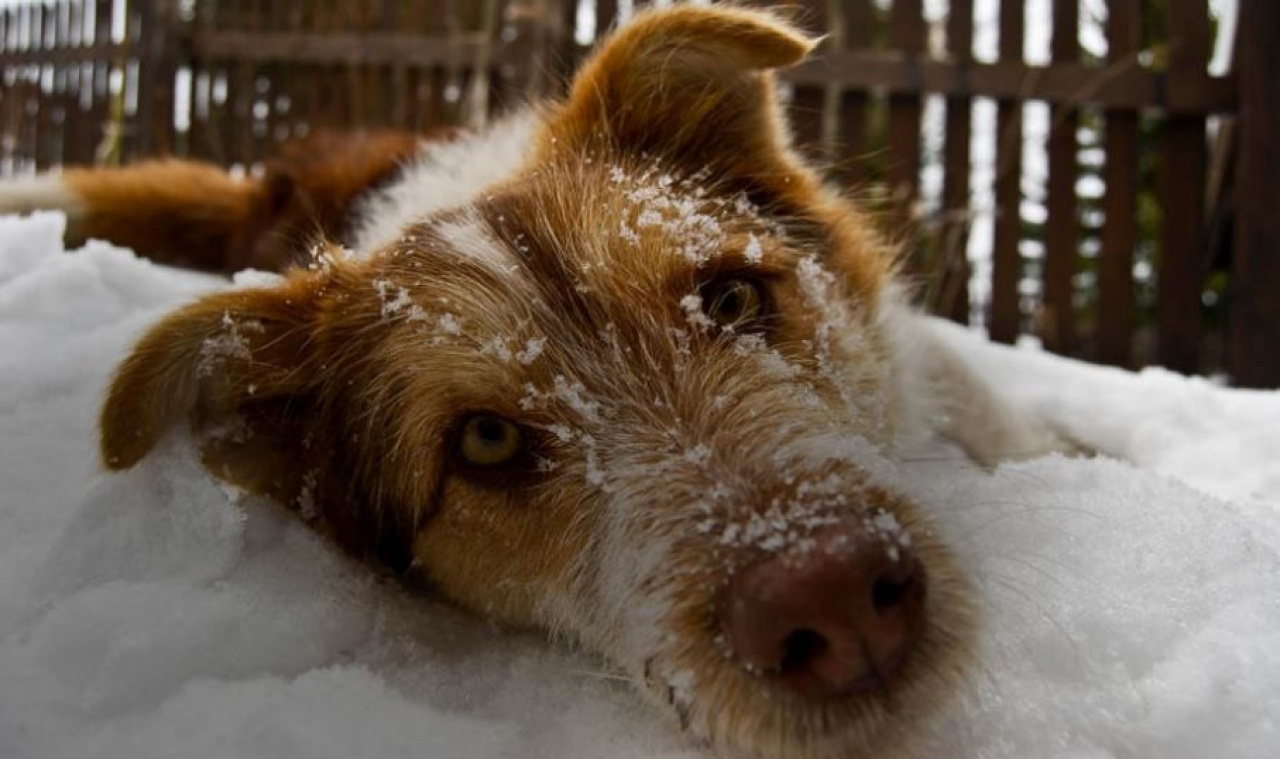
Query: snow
x=1131 y=608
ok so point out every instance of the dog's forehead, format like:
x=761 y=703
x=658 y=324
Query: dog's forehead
x=617 y=225
x=591 y=242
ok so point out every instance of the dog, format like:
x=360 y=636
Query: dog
x=619 y=367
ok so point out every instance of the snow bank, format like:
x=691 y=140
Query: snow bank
x=1132 y=610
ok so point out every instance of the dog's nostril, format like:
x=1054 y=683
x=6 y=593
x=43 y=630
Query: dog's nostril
x=833 y=621
x=887 y=593
x=800 y=649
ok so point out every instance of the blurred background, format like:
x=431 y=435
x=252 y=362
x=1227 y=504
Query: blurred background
x=1098 y=176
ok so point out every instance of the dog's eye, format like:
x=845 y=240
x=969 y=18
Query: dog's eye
x=488 y=440
x=733 y=302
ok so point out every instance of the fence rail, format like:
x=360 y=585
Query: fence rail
x=1124 y=239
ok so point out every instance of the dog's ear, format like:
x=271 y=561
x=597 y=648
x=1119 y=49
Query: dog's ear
x=689 y=84
x=236 y=366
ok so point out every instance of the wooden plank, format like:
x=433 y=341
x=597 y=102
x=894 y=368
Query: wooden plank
x=158 y=66
x=140 y=23
x=40 y=22
x=606 y=16
x=952 y=299
x=101 y=101
x=7 y=116
x=808 y=101
x=41 y=35
x=77 y=149
x=1124 y=85
x=197 y=137
x=851 y=118
x=246 y=75
x=907 y=35
x=1181 y=186
x=396 y=15
x=59 y=56
x=1114 y=327
x=1006 y=262
x=1062 y=231
x=1255 y=305
x=413 y=19
x=449 y=75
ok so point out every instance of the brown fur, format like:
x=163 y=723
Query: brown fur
x=340 y=391
x=196 y=215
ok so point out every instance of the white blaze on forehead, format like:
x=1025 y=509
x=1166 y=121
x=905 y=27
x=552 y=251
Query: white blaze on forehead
x=470 y=237
x=444 y=175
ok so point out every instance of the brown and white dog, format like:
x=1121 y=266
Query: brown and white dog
x=620 y=368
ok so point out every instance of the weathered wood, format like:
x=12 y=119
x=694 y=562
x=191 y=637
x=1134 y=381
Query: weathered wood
x=1125 y=85
x=42 y=29
x=1113 y=332
x=1183 y=158
x=102 y=66
x=953 y=268
x=1006 y=261
x=78 y=146
x=339 y=48
x=263 y=70
x=808 y=101
x=43 y=122
x=907 y=34
x=1255 y=297
x=1062 y=231
x=606 y=15
x=851 y=120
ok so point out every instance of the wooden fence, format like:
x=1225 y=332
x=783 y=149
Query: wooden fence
x=1188 y=207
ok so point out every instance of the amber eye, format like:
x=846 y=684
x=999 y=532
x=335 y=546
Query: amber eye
x=488 y=440
x=733 y=303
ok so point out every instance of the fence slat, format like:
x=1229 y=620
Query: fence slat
x=1113 y=333
x=808 y=102
x=1006 y=262
x=1255 y=298
x=1183 y=157
x=1058 y=319
x=952 y=300
x=100 y=101
x=857 y=34
x=906 y=34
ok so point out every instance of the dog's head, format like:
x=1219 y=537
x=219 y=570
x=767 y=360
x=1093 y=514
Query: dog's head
x=636 y=395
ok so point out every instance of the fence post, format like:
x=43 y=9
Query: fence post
x=1117 y=313
x=808 y=104
x=1183 y=155
x=1062 y=229
x=953 y=261
x=157 y=46
x=1005 y=320
x=1255 y=304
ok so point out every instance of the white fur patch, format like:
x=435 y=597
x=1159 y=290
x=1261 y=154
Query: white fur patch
x=470 y=237
x=444 y=175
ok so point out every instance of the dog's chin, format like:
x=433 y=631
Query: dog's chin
x=738 y=713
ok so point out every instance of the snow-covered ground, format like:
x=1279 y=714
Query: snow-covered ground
x=1133 y=609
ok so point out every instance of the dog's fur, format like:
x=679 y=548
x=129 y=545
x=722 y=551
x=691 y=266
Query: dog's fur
x=560 y=271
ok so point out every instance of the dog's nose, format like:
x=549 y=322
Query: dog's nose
x=839 y=618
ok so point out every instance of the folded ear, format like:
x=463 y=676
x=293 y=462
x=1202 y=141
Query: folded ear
x=235 y=364
x=688 y=83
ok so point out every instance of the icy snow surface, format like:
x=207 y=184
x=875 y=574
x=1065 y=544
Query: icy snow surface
x=1132 y=609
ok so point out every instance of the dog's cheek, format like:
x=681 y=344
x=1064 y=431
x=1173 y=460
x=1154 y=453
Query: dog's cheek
x=513 y=554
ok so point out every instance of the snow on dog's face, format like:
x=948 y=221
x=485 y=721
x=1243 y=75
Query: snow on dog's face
x=635 y=395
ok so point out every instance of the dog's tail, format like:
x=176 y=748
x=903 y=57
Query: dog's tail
x=176 y=212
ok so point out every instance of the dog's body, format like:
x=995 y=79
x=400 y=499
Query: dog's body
x=620 y=367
